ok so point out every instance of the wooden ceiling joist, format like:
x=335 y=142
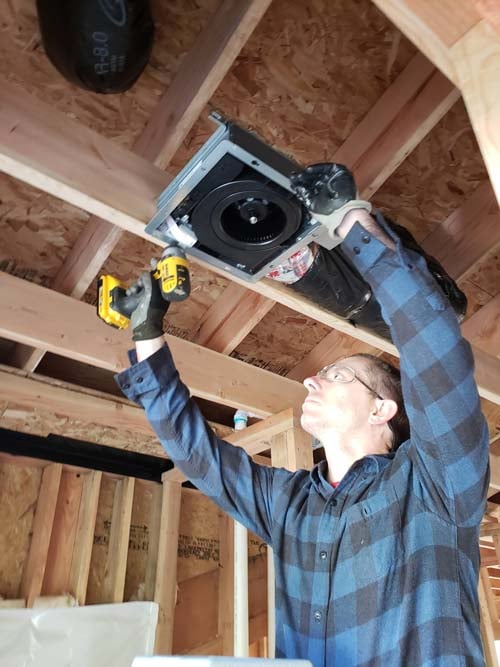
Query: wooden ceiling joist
x=199 y=75
x=43 y=318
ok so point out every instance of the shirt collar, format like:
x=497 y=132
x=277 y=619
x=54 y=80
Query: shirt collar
x=369 y=465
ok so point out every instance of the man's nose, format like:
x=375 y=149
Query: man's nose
x=311 y=383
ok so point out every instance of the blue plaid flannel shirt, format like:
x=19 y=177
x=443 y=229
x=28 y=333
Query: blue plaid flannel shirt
x=382 y=570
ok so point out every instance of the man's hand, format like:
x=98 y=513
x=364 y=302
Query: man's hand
x=324 y=188
x=328 y=190
x=149 y=308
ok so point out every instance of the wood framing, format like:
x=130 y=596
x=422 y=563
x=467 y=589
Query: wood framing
x=32 y=316
x=13 y=144
x=84 y=539
x=116 y=562
x=201 y=71
x=62 y=540
x=32 y=390
x=34 y=567
x=166 y=578
x=465 y=47
x=468 y=234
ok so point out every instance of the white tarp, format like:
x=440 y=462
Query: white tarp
x=108 y=635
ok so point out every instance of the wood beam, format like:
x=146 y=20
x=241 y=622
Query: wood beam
x=62 y=540
x=116 y=560
x=235 y=313
x=333 y=346
x=43 y=318
x=483 y=328
x=26 y=306
x=477 y=62
x=84 y=539
x=201 y=72
x=468 y=234
x=28 y=390
x=489 y=617
x=14 y=146
x=58 y=155
x=154 y=541
x=166 y=578
x=36 y=562
x=394 y=126
x=432 y=26
x=226 y=584
x=489 y=10
x=199 y=75
x=453 y=35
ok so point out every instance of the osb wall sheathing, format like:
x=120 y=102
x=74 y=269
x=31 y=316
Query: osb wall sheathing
x=19 y=489
x=198 y=551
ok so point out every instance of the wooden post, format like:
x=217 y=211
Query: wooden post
x=154 y=542
x=488 y=619
x=84 y=539
x=34 y=567
x=166 y=577
x=57 y=571
x=116 y=562
x=226 y=583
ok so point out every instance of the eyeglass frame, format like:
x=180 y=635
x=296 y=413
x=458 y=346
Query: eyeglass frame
x=322 y=373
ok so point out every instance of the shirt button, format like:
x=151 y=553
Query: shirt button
x=365 y=238
x=322 y=555
x=318 y=616
x=126 y=386
x=356 y=250
x=334 y=502
x=139 y=379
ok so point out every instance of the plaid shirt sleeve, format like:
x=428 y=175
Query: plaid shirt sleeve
x=449 y=442
x=220 y=470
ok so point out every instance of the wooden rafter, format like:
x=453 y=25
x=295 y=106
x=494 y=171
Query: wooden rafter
x=200 y=73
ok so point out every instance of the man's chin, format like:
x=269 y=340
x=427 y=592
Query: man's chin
x=307 y=426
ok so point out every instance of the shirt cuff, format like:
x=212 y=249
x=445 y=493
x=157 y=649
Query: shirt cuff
x=146 y=375
x=365 y=250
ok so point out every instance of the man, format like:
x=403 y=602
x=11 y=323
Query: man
x=376 y=549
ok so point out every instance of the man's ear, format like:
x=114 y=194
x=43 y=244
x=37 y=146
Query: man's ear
x=383 y=411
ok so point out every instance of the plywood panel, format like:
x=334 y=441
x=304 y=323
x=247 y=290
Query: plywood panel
x=19 y=488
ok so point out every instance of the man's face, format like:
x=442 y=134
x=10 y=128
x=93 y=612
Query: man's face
x=336 y=406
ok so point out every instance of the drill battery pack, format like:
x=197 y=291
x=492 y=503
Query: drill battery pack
x=111 y=293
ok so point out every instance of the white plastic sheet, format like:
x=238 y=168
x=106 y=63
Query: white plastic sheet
x=109 y=635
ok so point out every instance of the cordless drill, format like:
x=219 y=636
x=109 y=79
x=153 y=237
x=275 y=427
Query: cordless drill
x=115 y=305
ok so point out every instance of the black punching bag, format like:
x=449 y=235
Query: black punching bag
x=100 y=45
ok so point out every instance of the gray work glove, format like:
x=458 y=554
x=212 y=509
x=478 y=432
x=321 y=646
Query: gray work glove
x=147 y=307
x=328 y=190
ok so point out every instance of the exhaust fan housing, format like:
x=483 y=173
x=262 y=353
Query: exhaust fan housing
x=232 y=206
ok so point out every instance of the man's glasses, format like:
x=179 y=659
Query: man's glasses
x=344 y=374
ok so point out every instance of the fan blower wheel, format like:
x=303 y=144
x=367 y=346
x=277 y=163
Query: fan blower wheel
x=246 y=215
